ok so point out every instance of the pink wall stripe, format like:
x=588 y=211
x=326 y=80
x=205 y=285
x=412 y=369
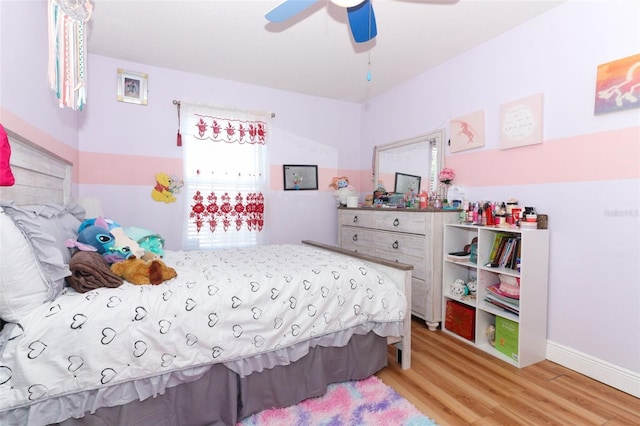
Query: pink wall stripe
x=276 y=177
x=600 y=156
x=115 y=169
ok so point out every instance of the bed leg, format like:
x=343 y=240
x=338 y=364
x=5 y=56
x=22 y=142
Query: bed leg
x=403 y=353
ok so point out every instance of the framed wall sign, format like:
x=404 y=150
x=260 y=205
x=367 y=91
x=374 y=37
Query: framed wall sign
x=300 y=177
x=521 y=122
x=132 y=87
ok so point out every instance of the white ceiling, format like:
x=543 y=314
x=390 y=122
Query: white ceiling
x=313 y=53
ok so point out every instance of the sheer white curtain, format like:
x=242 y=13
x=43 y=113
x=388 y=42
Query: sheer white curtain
x=225 y=174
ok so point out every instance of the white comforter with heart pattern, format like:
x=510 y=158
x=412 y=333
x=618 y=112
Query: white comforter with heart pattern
x=223 y=306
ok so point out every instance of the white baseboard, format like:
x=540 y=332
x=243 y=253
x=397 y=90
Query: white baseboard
x=620 y=378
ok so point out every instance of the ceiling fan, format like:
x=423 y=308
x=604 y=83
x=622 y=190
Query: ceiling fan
x=362 y=21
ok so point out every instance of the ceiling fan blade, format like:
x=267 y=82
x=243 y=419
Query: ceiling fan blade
x=288 y=9
x=362 y=22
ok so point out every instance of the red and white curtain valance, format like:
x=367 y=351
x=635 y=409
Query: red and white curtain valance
x=221 y=129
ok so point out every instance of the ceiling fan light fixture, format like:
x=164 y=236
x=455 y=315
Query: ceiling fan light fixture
x=346 y=3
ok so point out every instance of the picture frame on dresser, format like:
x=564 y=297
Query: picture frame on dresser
x=405 y=183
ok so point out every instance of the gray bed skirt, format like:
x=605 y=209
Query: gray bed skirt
x=221 y=397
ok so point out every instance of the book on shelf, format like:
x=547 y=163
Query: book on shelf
x=494 y=260
x=507 y=306
x=494 y=291
x=505 y=253
x=513 y=260
x=459 y=256
x=507 y=337
x=507 y=250
x=516 y=263
x=497 y=244
x=510 y=259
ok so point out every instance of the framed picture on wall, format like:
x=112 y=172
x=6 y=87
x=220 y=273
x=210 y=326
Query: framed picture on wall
x=521 y=122
x=616 y=82
x=299 y=177
x=467 y=132
x=132 y=87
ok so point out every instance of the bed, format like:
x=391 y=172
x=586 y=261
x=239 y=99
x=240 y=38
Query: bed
x=238 y=331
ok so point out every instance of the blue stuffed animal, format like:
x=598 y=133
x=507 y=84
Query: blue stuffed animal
x=95 y=236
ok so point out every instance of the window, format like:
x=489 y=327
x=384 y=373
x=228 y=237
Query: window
x=225 y=175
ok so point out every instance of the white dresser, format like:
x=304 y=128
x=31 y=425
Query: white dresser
x=410 y=236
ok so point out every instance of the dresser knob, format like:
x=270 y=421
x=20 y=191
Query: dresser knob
x=355 y=219
x=395 y=244
x=355 y=237
x=396 y=222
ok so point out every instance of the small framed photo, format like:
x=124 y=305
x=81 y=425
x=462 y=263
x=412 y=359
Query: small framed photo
x=300 y=177
x=132 y=87
x=407 y=183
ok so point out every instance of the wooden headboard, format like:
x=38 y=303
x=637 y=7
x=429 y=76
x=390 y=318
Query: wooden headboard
x=41 y=176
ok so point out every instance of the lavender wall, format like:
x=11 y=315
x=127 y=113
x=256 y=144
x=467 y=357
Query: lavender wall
x=594 y=286
x=594 y=279
x=27 y=105
x=306 y=130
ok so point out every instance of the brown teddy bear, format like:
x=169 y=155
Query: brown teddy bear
x=139 y=271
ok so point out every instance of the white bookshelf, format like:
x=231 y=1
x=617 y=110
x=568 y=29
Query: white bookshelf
x=533 y=276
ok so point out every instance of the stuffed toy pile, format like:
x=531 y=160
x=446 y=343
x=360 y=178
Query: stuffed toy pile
x=106 y=253
x=115 y=243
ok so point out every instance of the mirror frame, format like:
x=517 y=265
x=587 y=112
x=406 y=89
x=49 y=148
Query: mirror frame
x=437 y=135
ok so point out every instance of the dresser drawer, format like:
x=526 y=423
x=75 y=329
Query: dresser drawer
x=358 y=239
x=418 y=263
x=356 y=218
x=412 y=245
x=413 y=223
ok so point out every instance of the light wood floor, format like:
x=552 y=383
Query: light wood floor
x=457 y=384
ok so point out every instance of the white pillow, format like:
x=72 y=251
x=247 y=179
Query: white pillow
x=23 y=285
x=46 y=228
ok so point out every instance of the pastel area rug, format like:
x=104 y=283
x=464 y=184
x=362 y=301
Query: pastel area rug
x=367 y=402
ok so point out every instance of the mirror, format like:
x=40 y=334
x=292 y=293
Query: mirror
x=421 y=156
